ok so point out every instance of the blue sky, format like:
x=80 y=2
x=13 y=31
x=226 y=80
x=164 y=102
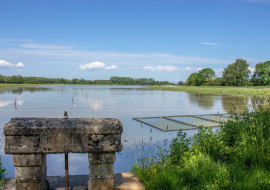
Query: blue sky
x=160 y=39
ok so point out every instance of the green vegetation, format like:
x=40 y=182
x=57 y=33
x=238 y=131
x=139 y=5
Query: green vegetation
x=256 y=90
x=2 y=174
x=236 y=156
x=113 y=81
x=261 y=76
x=9 y=86
x=204 y=76
x=236 y=74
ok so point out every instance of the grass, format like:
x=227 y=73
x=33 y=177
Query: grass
x=237 y=156
x=4 y=86
x=256 y=90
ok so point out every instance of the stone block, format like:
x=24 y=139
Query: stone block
x=101 y=170
x=27 y=160
x=29 y=186
x=28 y=174
x=100 y=184
x=95 y=158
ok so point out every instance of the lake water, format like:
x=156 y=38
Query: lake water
x=122 y=102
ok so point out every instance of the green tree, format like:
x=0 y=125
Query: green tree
x=193 y=80
x=261 y=76
x=236 y=74
x=205 y=75
x=180 y=83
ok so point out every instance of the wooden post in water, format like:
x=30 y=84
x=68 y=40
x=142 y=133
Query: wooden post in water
x=66 y=171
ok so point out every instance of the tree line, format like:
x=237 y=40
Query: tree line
x=235 y=74
x=112 y=81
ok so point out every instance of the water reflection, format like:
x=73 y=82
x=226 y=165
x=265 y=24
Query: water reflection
x=4 y=103
x=205 y=101
x=20 y=90
x=240 y=103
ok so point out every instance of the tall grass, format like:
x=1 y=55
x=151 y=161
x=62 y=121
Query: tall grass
x=262 y=90
x=236 y=156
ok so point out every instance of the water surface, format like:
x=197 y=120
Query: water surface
x=122 y=102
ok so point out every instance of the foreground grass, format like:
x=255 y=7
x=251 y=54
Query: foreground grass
x=260 y=90
x=237 y=156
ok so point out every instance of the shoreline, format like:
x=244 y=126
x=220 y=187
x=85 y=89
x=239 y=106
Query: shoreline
x=219 y=90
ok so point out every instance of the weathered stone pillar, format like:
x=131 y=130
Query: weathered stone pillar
x=101 y=171
x=30 y=139
x=30 y=171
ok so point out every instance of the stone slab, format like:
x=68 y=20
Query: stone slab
x=54 y=135
x=27 y=126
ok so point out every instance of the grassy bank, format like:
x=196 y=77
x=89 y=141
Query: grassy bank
x=260 y=90
x=237 y=156
x=4 y=86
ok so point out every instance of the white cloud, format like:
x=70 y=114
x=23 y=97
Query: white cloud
x=211 y=44
x=19 y=70
x=112 y=67
x=20 y=64
x=97 y=65
x=161 y=68
x=5 y=64
x=251 y=69
x=92 y=66
x=73 y=73
x=190 y=69
x=219 y=70
x=69 y=56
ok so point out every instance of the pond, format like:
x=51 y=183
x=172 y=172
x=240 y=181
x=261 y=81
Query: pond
x=122 y=102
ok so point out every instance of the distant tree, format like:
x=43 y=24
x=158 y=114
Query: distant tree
x=236 y=74
x=180 y=83
x=261 y=76
x=193 y=80
x=205 y=75
x=218 y=82
x=2 y=79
